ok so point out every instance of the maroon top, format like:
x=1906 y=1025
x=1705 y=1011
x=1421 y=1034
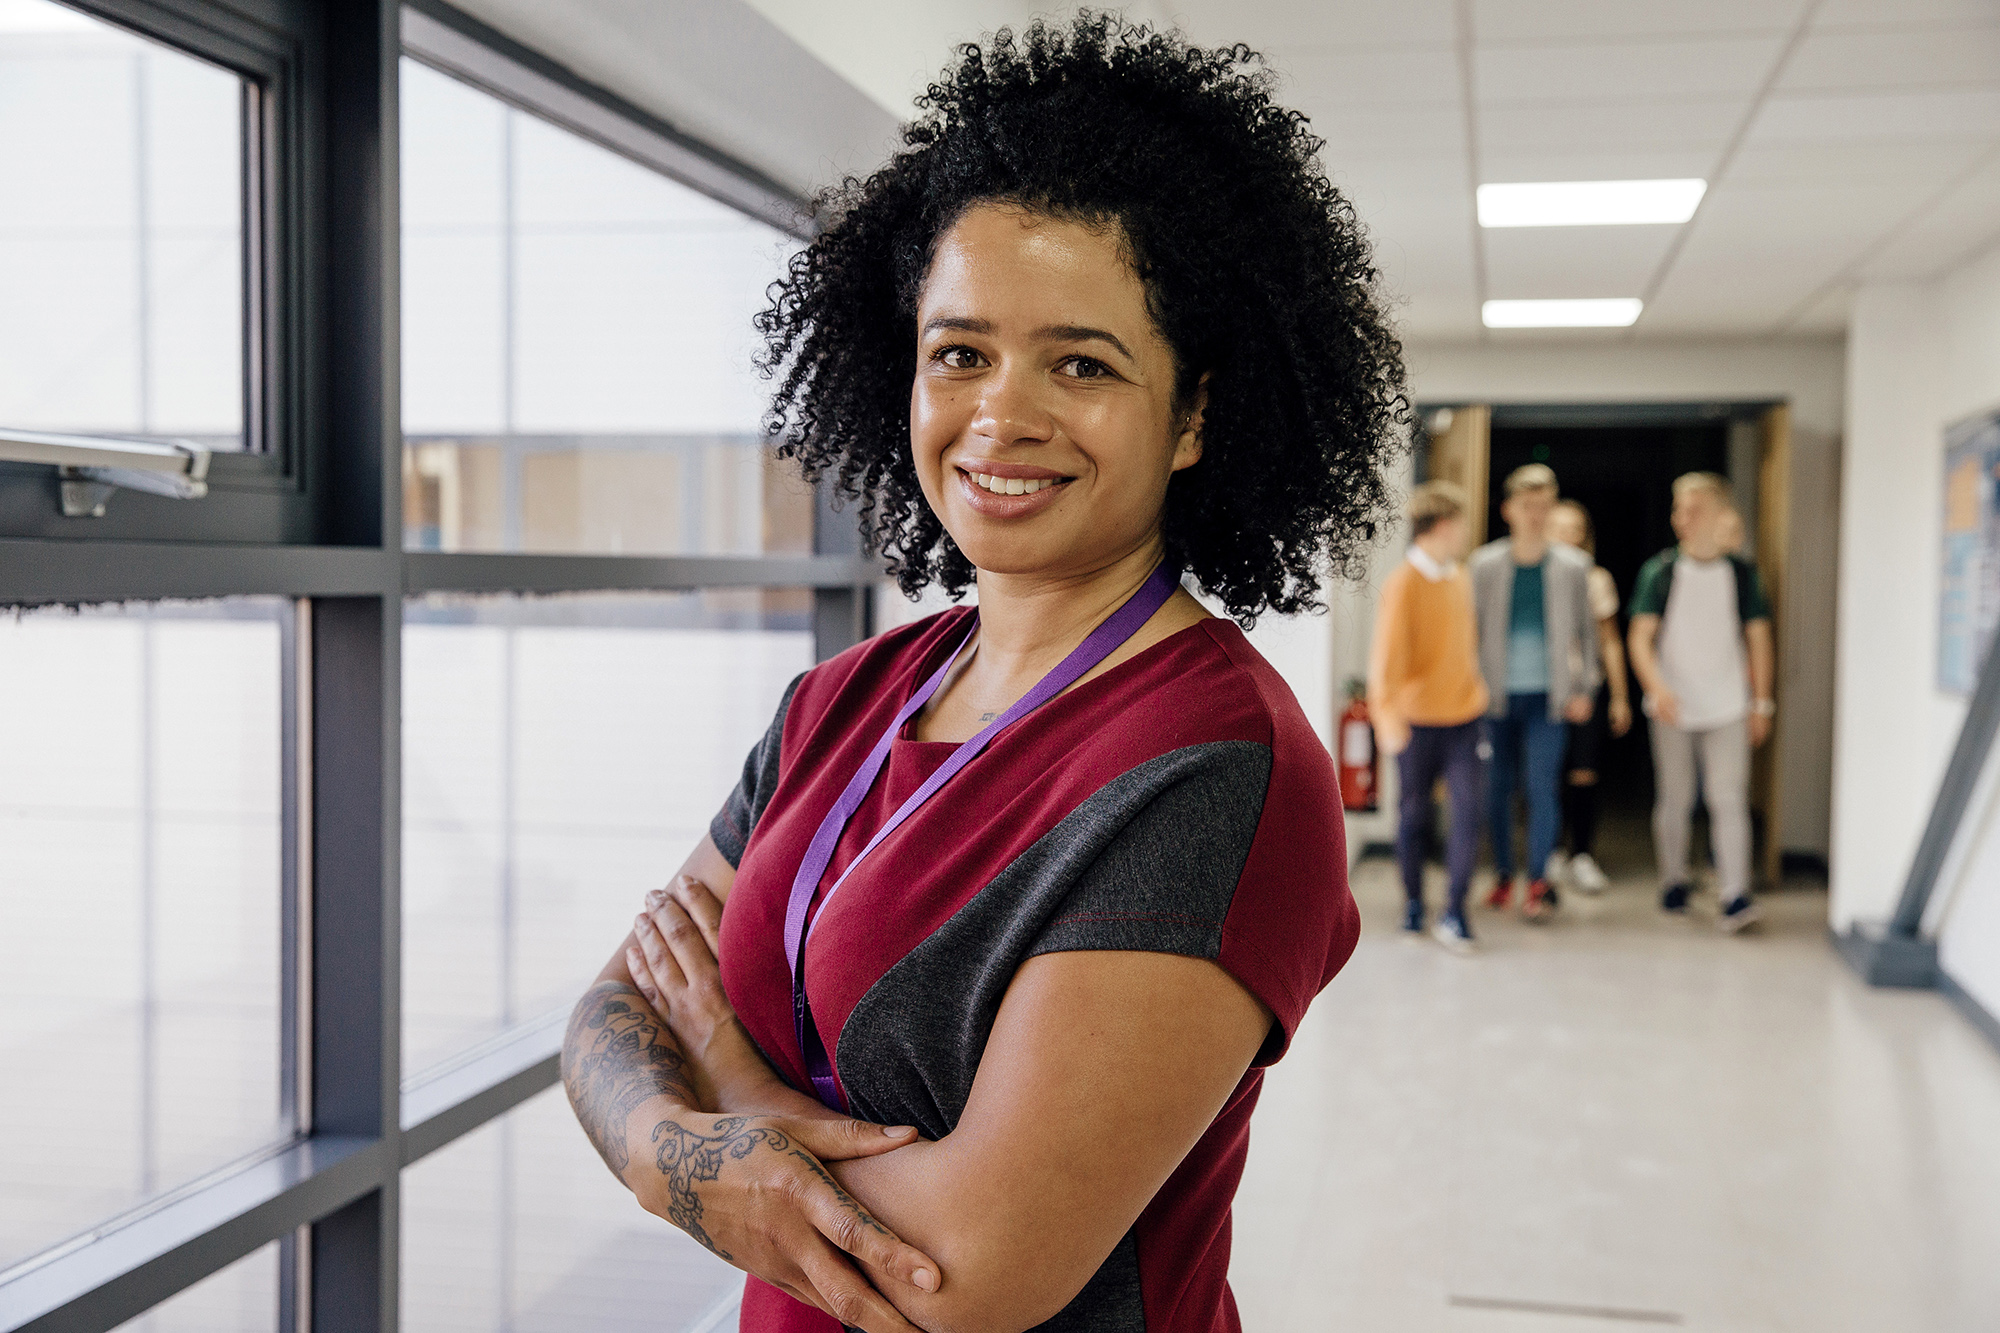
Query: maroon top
x=1178 y=803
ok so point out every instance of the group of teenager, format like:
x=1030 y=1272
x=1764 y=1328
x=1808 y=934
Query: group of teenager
x=1504 y=670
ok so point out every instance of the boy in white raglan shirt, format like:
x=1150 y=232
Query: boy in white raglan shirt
x=1701 y=647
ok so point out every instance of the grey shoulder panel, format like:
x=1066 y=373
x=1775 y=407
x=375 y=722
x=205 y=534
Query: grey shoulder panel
x=737 y=819
x=1148 y=862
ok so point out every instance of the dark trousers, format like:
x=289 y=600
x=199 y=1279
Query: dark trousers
x=1453 y=754
x=1529 y=747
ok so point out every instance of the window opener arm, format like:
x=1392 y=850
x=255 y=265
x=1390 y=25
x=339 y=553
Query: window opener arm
x=91 y=467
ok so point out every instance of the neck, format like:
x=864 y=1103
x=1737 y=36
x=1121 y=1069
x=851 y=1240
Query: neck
x=1029 y=622
x=1437 y=551
x=1527 y=550
x=1700 y=550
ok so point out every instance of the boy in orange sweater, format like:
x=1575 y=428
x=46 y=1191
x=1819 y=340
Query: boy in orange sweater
x=1426 y=696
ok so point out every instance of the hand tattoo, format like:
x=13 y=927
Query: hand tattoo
x=687 y=1158
x=616 y=1054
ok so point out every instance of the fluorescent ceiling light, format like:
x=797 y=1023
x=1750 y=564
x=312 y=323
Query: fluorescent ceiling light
x=1589 y=203
x=1606 y=313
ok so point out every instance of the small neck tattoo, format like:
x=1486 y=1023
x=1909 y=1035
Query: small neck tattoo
x=987 y=717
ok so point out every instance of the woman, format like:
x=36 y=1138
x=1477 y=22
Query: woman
x=1570 y=524
x=1103 y=321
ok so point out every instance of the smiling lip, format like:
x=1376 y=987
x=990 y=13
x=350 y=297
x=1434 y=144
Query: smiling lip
x=997 y=504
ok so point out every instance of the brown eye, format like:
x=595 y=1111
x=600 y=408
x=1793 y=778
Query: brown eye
x=1083 y=368
x=957 y=358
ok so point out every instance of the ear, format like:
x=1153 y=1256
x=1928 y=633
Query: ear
x=1187 y=445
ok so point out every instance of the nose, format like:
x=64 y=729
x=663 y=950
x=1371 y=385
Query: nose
x=1010 y=408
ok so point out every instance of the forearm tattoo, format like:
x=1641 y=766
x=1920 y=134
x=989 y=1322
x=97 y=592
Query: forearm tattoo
x=687 y=1158
x=617 y=1054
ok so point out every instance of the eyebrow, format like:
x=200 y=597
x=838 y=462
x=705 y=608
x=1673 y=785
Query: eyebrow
x=1051 y=332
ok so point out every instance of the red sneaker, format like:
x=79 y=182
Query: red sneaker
x=1501 y=894
x=1541 y=900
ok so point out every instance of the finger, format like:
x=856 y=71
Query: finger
x=702 y=907
x=635 y=963
x=848 y=1296
x=840 y=1217
x=832 y=1140
x=659 y=960
x=691 y=952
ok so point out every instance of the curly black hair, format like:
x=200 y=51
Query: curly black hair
x=1256 y=272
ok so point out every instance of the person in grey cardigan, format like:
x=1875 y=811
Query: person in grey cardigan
x=1538 y=653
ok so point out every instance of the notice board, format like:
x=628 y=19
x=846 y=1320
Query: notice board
x=1969 y=593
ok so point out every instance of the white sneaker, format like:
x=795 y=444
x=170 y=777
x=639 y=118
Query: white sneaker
x=1557 y=869
x=1586 y=875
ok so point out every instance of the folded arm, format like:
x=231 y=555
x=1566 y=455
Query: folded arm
x=1103 y=1069
x=752 y=1186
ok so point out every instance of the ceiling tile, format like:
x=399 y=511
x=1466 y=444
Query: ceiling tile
x=1642 y=125
x=1281 y=27
x=1918 y=165
x=1602 y=164
x=1540 y=20
x=1411 y=76
x=1624 y=72
x=1969 y=113
x=1528 y=263
x=1896 y=13
x=1438 y=316
x=1933 y=57
x=1960 y=225
x=1378 y=131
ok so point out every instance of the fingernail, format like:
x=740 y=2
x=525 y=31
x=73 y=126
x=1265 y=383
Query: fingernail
x=924 y=1279
x=898 y=1131
x=656 y=897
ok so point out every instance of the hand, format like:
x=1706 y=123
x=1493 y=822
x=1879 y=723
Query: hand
x=1665 y=707
x=752 y=1191
x=1621 y=716
x=1391 y=737
x=674 y=966
x=1578 y=709
x=1760 y=729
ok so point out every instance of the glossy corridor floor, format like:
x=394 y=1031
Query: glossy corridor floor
x=1621 y=1121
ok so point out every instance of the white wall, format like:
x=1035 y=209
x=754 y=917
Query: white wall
x=1807 y=373
x=1920 y=357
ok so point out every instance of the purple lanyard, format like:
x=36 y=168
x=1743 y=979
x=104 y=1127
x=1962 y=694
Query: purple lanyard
x=1100 y=644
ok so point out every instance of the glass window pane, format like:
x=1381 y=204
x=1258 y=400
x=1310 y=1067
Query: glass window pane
x=577 y=346
x=519 y=1228
x=121 y=238
x=140 y=851
x=561 y=756
x=242 y=1298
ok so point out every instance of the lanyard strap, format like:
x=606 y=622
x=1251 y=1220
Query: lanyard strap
x=1098 y=645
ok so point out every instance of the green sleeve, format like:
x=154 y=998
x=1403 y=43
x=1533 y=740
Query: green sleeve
x=1756 y=606
x=1649 y=590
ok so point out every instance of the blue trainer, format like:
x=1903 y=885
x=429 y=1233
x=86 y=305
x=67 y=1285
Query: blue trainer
x=1413 y=918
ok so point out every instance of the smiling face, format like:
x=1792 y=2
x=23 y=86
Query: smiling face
x=1043 y=421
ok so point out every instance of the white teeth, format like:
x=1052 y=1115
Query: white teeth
x=1011 y=485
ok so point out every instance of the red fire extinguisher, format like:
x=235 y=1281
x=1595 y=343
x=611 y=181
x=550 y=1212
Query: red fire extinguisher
x=1357 y=751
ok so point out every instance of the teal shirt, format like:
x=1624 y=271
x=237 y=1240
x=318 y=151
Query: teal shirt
x=1527 y=636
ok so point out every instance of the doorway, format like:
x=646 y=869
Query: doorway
x=1622 y=472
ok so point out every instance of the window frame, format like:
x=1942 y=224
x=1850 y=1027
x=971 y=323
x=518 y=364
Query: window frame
x=318 y=519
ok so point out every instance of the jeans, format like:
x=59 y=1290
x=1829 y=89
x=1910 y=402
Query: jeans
x=1722 y=755
x=1453 y=754
x=1524 y=738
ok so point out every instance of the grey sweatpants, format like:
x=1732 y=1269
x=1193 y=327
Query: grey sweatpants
x=1723 y=757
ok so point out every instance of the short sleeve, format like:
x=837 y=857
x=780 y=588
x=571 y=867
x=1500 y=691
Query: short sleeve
x=1207 y=869
x=1603 y=593
x=731 y=828
x=1649 y=591
x=1165 y=882
x=1756 y=606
